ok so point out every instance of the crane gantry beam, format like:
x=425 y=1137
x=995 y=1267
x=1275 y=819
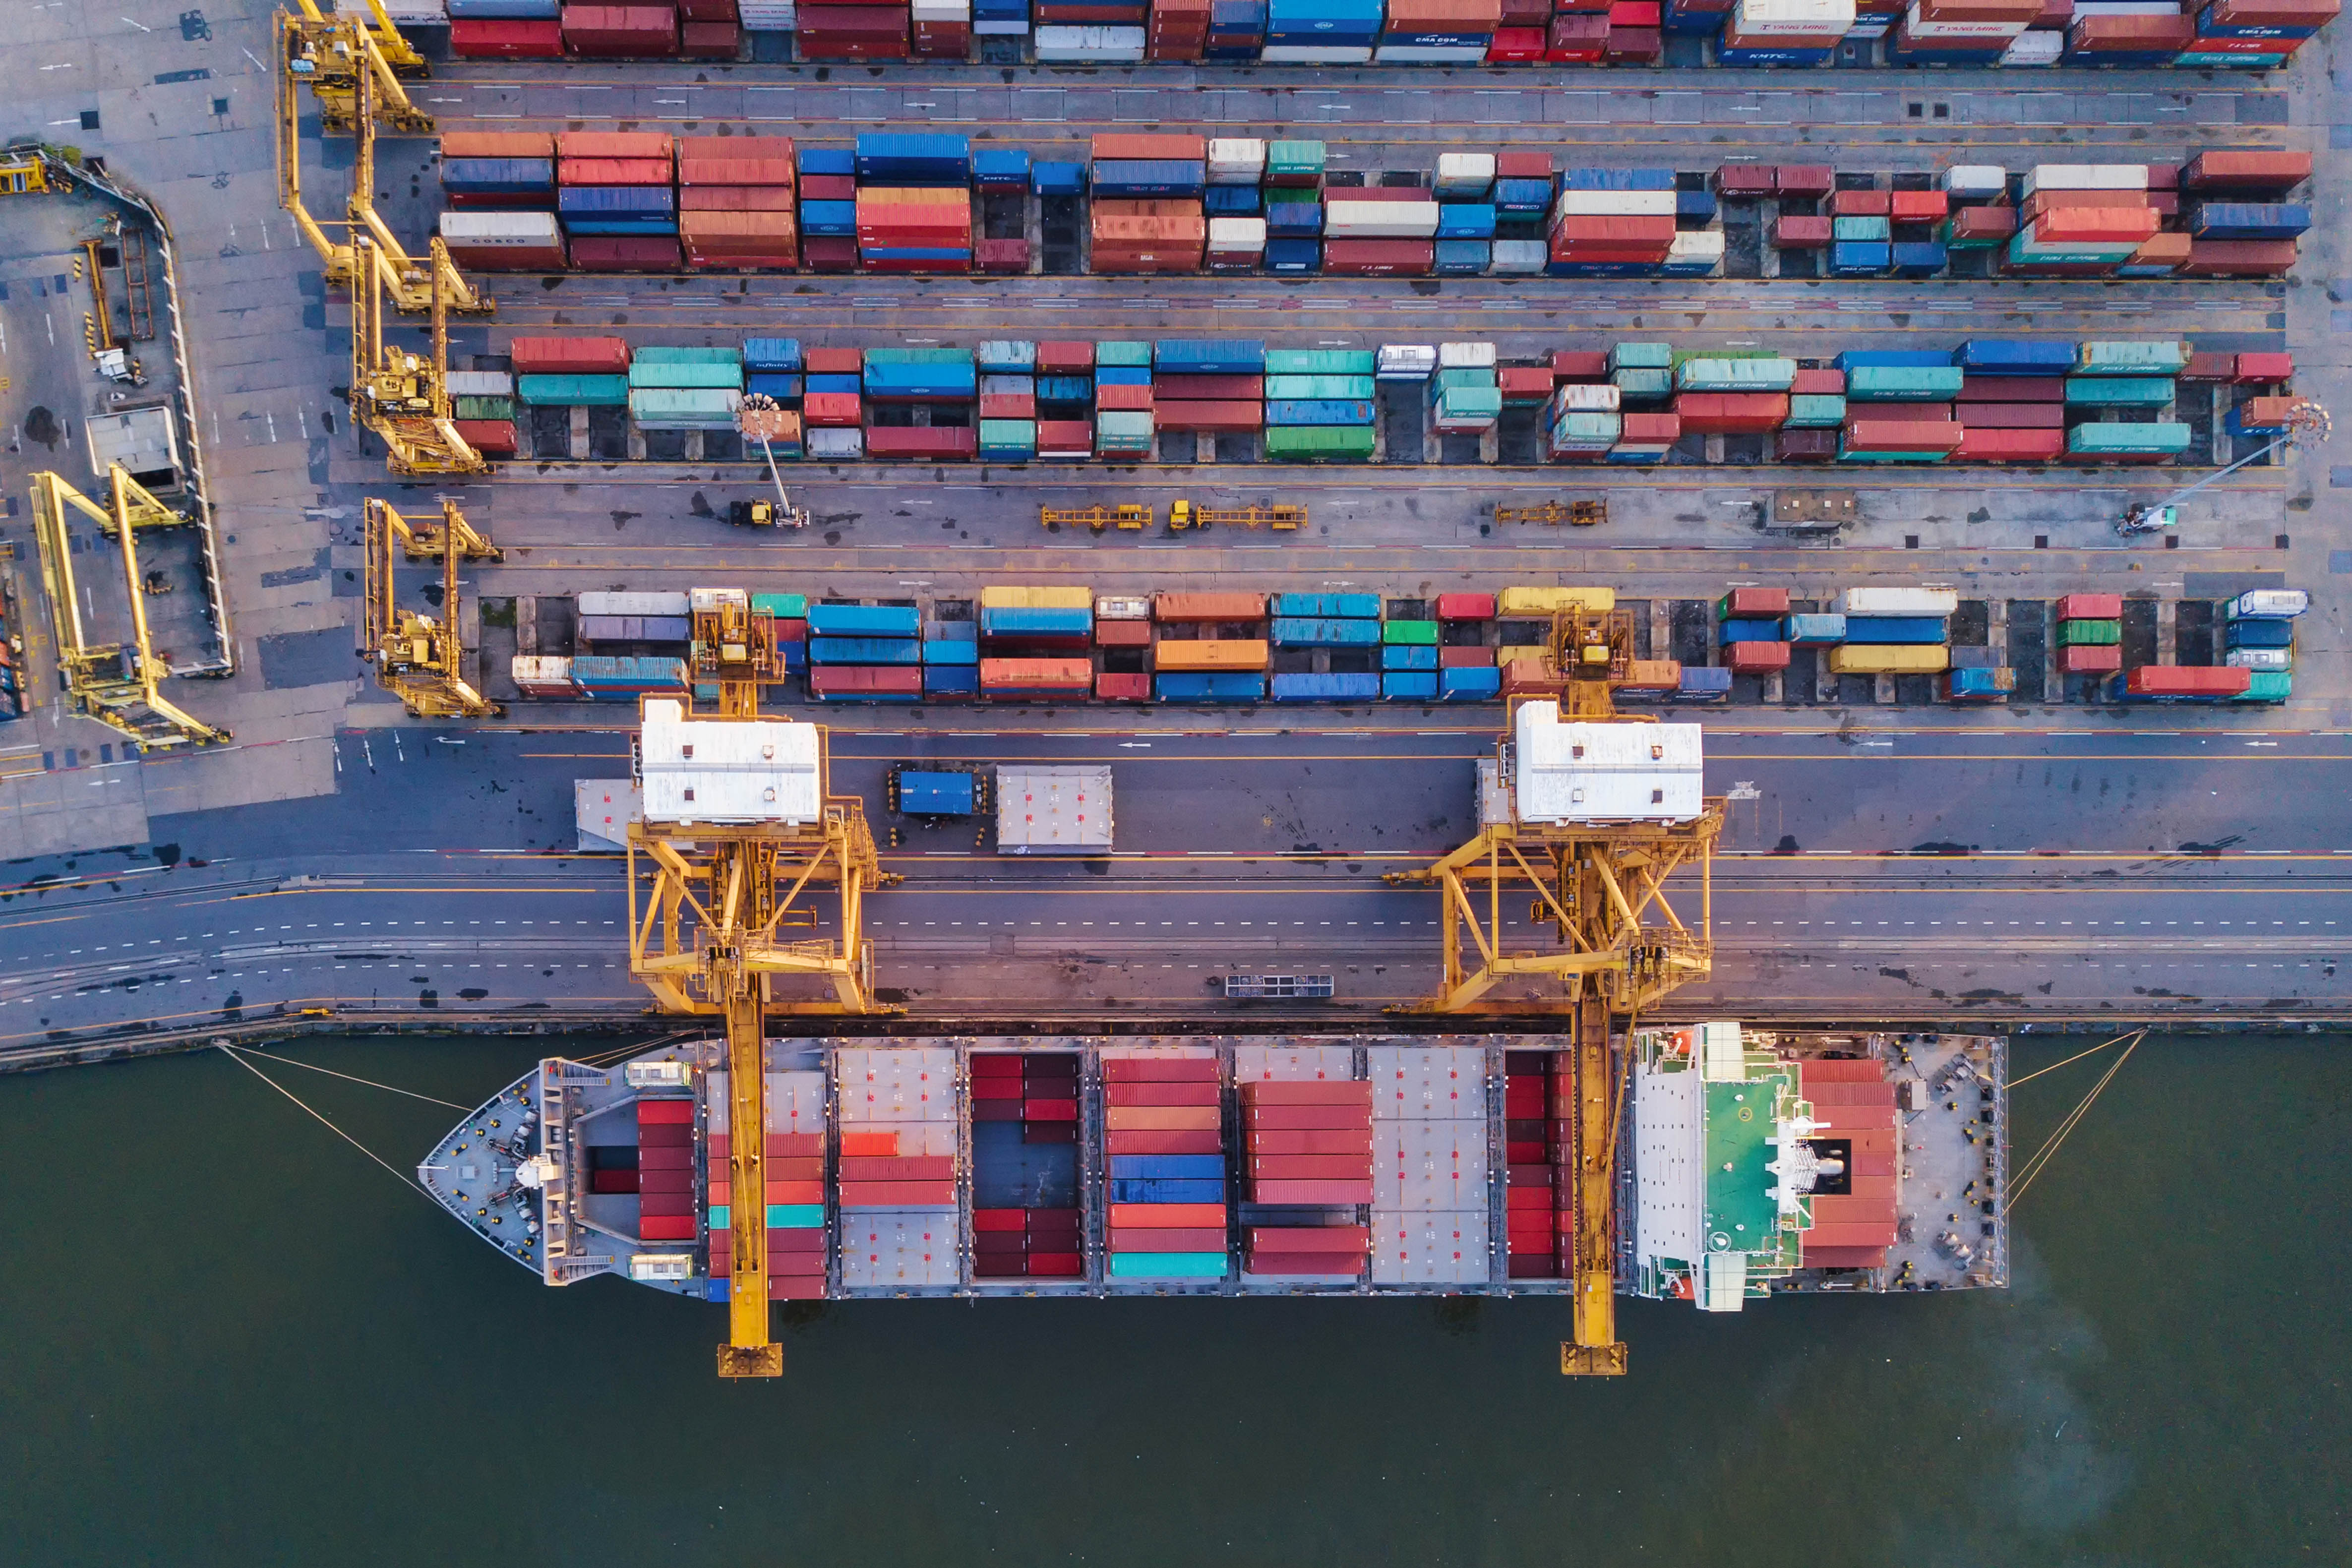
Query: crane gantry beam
x=420 y=658
x=1619 y=947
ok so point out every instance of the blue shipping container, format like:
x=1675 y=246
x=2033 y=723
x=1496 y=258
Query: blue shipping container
x=1209 y=686
x=1814 y=630
x=1895 y=359
x=827 y=160
x=501 y=176
x=1147 y=177
x=934 y=795
x=865 y=650
x=1293 y=220
x=1166 y=1190
x=1295 y=631
x=1230 y=200
x=1465 y=220
x=946 y=650
x=913 y=158
x=771 y=353
x=1032 y=621
x=1196 y=1166
x=1340 y=606
x=1209 y=356
x=768 y=384
x=2015 y=356
x=1409 y=686
x=1000 y=168
x=1704 y=683
x=865 y=620
x=1058 y=179
x=1408 y=656
x=846 y=385
x=952 y=680
x=1305 y=688
x=1472 y=684
x=1882 y=629
x=1748 y=630
x=1616 y=179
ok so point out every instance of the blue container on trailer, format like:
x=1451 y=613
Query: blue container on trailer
x=1209 y=356
x=498 y=176
x=1000 y=168
x=1230 y=200
x=821 y=386
x=1197 y=1166
x=1035 y=621
x=1066 y=389
x=950 y=650
x=1166 y=1190
x=1748 y=630
x=769 y=383
x=1461 y=257
x=1465 y=220
x=1293 y=220
x=1616 y=179
x=1409 y=685
x=1704 y=683
x=2015 y=356
x=771 y=353
x=1058 y=179
x=913 y=158
x=1318 y=411
x=2259 y=634
x=1471 y=683
x=1147 y=177
x=1695 y=209
x=1522 y=195
x=1882 y=629
x=1919 y=259
x=865 y=620
x=865 y=650
x=1309 y=688
x=829 y=220
x=1209 y=686
x=950 y=680
x=1294 y=256
x=827 y=160
x=934 y=793
x=1813 y=630
x=1407 y=656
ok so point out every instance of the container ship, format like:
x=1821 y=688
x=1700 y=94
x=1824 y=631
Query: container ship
x=1751 y=1161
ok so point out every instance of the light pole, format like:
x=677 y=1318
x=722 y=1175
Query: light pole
x=2306 y=419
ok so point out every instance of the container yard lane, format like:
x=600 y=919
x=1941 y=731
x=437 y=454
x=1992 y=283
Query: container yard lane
x=1900 y=873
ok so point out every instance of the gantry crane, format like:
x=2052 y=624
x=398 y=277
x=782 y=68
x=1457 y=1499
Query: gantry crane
x=714 y=884
x=403 y=399
x=1619 y=946
x=373 y=95
x=425 y=538
x=418 y=657
x=339 y=54
x=112 y=682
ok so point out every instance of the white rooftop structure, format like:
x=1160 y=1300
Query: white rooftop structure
x=1605 y=773
x=1053 y=810
x=727 y=770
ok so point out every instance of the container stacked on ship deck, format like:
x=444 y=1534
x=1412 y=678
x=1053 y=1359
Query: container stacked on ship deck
x=1164 y=1163
x=1853 y=1104
x=664 y=1177
x=897 y=1176
x=1027 y=1221
x=793 y=1169
x=1306 y=1130
x=1540 y=1151
x=1430 y=1219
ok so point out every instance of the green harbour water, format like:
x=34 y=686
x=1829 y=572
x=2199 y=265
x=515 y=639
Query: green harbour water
x=228 y=1339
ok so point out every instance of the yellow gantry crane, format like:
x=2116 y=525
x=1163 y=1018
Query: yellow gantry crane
x=1619 y=944
x=402 y=398
x=112 y=682
x=420 y=657
x=717 y=883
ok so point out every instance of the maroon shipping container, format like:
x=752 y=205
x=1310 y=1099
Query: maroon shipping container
x=1000 y=257
x=1466 y=658
x=1860 y=203
x=2238 y=259
x=709 y=40
x=1580 y=364
x=860 y=680
x=1800 y=232
x=570 y=356
x=620 y=32
x=735 y=199
x=1523 y=166
x=829 y=253
x=922 y=442
x=1187 y=414
x=2129 y=35
x=1984 y=223
x=1749 y=180
x=474 y=40
x=1804 y=179
x=510 y=258
x=1818 y=383
x=2083 y=660
x=2013 y=389
x=1379 y=257
x=852 y=32
x=626 y=252
x=828 y=187
x=1807 y=446
x=2209 y=366
x=1758 y=601
x=1057 y=357
x=1209 y=388
x=2013 y=416
x=707 y=10
x=2187 y=681
x=1465 y=606
x=1110 y=687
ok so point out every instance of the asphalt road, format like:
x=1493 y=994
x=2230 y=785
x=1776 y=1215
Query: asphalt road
x=1902 y=874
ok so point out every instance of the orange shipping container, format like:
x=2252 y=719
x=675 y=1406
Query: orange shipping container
x=1128 y=145
x=1168 y=1216
x=1160 y=1118
x=884 y=1145
x=1207 y=607
x=498 y=144
x=1238 y=654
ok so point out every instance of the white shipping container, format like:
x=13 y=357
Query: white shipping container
x=1962 y=32
x=2270 y=604
x=1695 y=245
x=1464 y=174
x=1379 y=220
x=2126 y=8
x=1935 y=602
x=631 y=603
x=1587 y=397
x=1405 y=362
x=2237 y=658
x=1315 y=55
x=834 y=443
x=1520 y=257
x=479 y=384
x=2035 y=47
x=1061 y=44
x=1429 y=53
x=940 y=10
x=1614 y=204
x=2086 y=177
x=1465 y=356
x=1235 y=160
x=1242 y=234
x=1000 y=29
x=495 y=230
x=1786 y=19
x=1122 y=609
x=1975 y=180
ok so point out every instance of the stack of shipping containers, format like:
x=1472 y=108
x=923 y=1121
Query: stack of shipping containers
x=1125 y=424
x=1319 y=404
x=1468 y=390
x=616 y=191
x=2258 y=633
x=1325 y=646
x=1307 y=1130
x=1027 y=1220
x=772 y=369
x=1123 y=644
x=833 y=403
x=664 y=1176
x=864 y=652
x=1008 y=401
x=2090 y=634
x=1164 y=1164
x=827 y=188
x=1036 y=643
x=920 y=404
x=1145 y=210
x=1208 y=387
x=2116 y=400
x=1751 y=627
x=914 y=202
x=1210 y=648
x=685 y=388
x=1895 y=631
x=1409 y=671
x=1431 y=1223
x=793 y=1169
x=735 y=202
x=1539 y=1150
x=896 y=1174
x=1066 y=399
x=1466 y=670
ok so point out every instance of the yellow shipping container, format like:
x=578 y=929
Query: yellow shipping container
x=1890 y=658
x=1512 y=655
x=1652 y=675
x=1240 y=653
x=1547 y=601
x=1003 y=599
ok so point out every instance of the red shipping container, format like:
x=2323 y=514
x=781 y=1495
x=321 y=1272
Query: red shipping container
x=1378 y=257
x=2248 y=172
x=1146 y=1142
x=896 y=1195
x=626 y=252
x=613 y=172
x=2129 y=35
x=922 y=442
x=1124 y=399
x=615 y=144
x=2013 y=389
x=1876 y=435
x=1110 y=688
x=2238 y=259
x=667 y=1227
x=1600 y=228
x=2090 y=608
x=828 y=187
x=1324 y=1192
x=1018 y=675
x=497 y=144
x=1211 y=417
x=829 y=253
x=1818 y=383
x=1466 y=658
x=569 y=356
x=1860 y=203
x=736 y=199
x=835 y=361
x=1580 y=364
x=1310 y=1167
x=897 y=1167
x=832 y=680
x=1728 y=413
x=1311 y=1091
x=1326 y=1141
x=473 y=39
x=1522 y=384
x=709 y=40
x=1008 y=406
x=1804 y=179
x=1137 y=1239
x=1303 y=1118
x=831 y=410
x=1517 y=45
x=2187 y=681
x=620 y=32
x=1917 y=206
x=1748 y=180
x=1465 y=606
x=1801 y=232
x=1209 y=388
x=1523 y=166
x=1305 y=1265
x=2261 y=369
x=2084 y=660
x=2013 y=416
x=1122 y=634
x=1756 y=657
x=1982 y=443
x=852 y=32
x=490 y=437
x=1121 y=146
x=1758 y=601
x=1164 y=1069
x=1000 y=256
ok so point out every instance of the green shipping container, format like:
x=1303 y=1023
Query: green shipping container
x=2090 y=634
x=2098 y=358
x=1641 y=356
x=1470 y=402
x=687 y=356
x=572 y=390
x=1414 y=634
x=1465 y=379
x=656 y=407
x=1008 y=437
x=1815 y=411
x=1846 y=457
x=1294 y=160
x=1755 y=374
x=484 y=407
x=1585 y=428
x=2101 y=440
x=1317 y=443
x=783 y=607
x=1131 y=355
x=1321 y=362
x=1643 y=381
x=1866 y=230
x=1348 y=388
x=1901 y=383
x=2119 y=391
x=685 y=376
x=1122 y=430
x=2267 y=685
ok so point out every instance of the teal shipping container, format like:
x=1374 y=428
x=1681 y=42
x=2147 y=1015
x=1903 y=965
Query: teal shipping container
x=1901 y=383
x=572 y=390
